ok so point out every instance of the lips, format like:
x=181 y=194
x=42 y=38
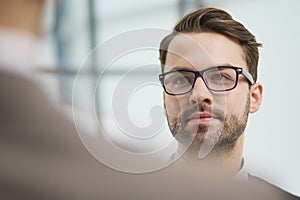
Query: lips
x=201 y=117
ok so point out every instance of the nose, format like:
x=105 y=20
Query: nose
x=200 y=93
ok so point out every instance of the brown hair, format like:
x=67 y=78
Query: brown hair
x=217 y=21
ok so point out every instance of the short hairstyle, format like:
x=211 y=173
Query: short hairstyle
x=217 y=21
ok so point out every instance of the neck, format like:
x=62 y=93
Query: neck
x=218 y=164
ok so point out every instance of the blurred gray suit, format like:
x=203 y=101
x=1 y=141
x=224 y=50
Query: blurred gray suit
x=41 y=154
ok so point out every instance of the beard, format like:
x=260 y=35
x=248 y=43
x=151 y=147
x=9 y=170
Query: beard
x=221 y=138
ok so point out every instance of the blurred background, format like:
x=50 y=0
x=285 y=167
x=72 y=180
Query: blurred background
x=72 y=28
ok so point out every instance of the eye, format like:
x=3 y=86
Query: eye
x=220 y=78
x=180 y=80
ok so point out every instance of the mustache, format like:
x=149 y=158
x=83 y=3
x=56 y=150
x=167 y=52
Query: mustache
x=215 y=112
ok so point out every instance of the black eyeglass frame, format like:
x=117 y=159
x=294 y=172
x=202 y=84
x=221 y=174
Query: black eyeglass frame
x=197 y=74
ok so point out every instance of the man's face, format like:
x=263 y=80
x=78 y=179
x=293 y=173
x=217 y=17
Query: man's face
x=203 y=117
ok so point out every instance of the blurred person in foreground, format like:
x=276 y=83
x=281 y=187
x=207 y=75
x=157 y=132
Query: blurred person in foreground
x=209 y=75
x=41 y=156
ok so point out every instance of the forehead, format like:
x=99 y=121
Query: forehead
x=202 y=50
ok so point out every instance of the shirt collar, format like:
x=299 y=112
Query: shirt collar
x=241 y=175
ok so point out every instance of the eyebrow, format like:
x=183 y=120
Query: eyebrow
x=175 y=68
x=179 y=68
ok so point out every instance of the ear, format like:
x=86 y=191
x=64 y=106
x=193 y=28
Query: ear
x=255 y=97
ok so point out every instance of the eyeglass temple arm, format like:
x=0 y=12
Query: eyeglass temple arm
x=248 y=76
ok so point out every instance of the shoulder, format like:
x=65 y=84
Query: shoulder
x=28 y=117
x=270 y=189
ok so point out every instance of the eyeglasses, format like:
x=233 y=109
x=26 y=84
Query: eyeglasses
x=218 y=79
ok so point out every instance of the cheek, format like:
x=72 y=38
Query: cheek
x=236 y=102
x=174 y=104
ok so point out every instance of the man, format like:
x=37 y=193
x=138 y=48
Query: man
x=209 y=73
